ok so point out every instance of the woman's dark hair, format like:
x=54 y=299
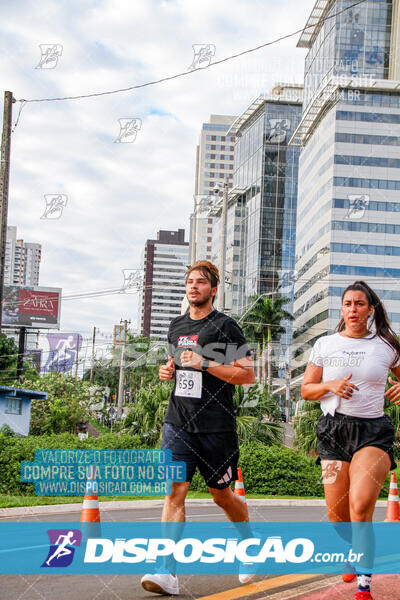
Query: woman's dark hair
x=380 y=318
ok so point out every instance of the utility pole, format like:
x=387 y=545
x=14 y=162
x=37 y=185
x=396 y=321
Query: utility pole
x=21 y=352
x=76 y=361
x=221 y=293
x=122 y=370
x=92 y=365
x=4 y=185
x=269 y=366
x=287 y=395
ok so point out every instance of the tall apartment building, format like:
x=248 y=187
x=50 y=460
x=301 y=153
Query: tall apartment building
x=214 y=164
x=348 y=220
x=164 y=262
x=22 y=260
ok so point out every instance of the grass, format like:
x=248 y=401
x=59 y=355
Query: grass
x=7 y=501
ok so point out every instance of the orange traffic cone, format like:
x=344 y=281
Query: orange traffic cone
x=239 y=489
x=90 y=514
x=393 y=507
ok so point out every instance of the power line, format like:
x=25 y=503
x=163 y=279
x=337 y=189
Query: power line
x=184 y=73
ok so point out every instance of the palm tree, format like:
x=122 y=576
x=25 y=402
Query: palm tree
x=262 y=323
x=146 y=416
x=257 y=416
x=305 y=438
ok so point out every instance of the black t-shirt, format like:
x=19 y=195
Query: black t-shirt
x=200 y=402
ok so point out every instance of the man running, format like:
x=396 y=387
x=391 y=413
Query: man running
x=208 y=356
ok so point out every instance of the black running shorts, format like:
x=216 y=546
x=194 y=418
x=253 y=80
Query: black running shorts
x=215 y=454
x=340 y=436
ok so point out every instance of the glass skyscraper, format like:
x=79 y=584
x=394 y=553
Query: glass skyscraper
x=348 y=215
x=264 y=194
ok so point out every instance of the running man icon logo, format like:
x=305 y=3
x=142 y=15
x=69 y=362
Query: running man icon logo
x=55 y=204
x=358 y=204
x=50 y=54
x=128 y=129
x=62 y=542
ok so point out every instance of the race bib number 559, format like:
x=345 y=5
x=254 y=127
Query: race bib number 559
x=188 y=383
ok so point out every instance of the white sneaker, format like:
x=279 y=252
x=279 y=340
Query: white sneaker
x=161 y=583
x=246 y=577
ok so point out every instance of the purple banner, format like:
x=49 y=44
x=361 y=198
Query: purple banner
x=63 y=350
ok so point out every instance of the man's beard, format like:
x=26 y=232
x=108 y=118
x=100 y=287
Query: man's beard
x=199 y=301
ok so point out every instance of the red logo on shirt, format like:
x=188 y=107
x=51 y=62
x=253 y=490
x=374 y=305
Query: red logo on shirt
x=187 y=341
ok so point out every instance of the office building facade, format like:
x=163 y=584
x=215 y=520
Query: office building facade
x=264 y=197
x=164 y=263
x=214 y=165
x=348 y=221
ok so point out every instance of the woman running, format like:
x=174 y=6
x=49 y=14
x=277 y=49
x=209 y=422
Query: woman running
x=347 y=373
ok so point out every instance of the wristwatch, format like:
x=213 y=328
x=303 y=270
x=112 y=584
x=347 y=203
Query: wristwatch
x=205 y=364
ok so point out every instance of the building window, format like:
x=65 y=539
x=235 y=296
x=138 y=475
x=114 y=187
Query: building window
x=13 y=405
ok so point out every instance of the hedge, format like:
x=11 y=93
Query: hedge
x=14 y=450
x=274 y=470
x=278 y=471
x=267 y=470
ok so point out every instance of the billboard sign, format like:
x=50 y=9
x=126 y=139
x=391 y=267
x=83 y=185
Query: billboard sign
x=64 y=348
x=28 y=306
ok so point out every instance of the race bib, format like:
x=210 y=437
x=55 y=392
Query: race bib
x=188 y=383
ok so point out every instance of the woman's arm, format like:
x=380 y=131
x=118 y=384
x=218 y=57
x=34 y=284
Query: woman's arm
x=393 y=393
x=313 y=388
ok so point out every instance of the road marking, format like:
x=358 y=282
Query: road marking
x=256 y=588
x=188 y=515
x=302 y=589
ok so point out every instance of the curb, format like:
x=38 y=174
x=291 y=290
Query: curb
x=25 y=511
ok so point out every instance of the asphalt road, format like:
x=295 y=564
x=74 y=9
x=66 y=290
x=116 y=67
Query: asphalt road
x=127 y=587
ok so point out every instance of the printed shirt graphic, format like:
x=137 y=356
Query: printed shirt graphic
x=368 y=359
x=62 y=547
x=218 y=338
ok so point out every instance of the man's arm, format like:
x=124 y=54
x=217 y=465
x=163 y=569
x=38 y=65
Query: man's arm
x=238 y=372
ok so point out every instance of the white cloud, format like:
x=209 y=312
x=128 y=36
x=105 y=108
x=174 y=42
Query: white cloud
x=121 y=194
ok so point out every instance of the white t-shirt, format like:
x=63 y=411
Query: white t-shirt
x=368 y=359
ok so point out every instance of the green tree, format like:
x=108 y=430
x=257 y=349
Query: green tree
x=305 y=438
x=257 y=415
x=146 y=416
x=65 y=406
x=142 y=359
x=262 y=323
x=8 y=362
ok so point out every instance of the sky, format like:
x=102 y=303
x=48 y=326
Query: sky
x=118 y=195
